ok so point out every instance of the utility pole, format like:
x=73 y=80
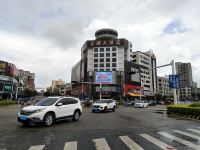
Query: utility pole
x=174 y=89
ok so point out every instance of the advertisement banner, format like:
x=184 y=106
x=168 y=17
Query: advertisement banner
x=104 y=77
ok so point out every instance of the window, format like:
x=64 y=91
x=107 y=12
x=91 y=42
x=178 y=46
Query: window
x=107 y=69
x=95 y=65
x=113 y=59
x=113 y=64
x=114 y=69
x=71 y=101
x=101 y=65
x=95 y=60
x=101 y=49
x=101 y=54
x=95 y=49
x=113 y=54
x=107 y=64
x=107 y=59
x=114 y=49
x=107 y=54
x=102 y=60
x=95 y=54
x=107 y=49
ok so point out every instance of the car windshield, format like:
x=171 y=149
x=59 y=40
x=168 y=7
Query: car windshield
x=102 y=101
x=47 y=101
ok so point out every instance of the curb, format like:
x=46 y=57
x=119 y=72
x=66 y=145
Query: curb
x=185 y=117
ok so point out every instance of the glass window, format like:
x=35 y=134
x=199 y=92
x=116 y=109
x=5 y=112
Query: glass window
x=114 y=69
x=95 y=69
x=113 y=54
x=95 y=54
x=95 y=65
x=47 y=102
x=101 y=70
x=101 y=65
x=102 y=60
x=95 y=49
x=101 y=49
x=107 y=64
x=107 y=54
x=107 y=49
x=101 y=54
x=95 y=60
x=107 y=59
x=114 y=49
x=107 y=69
x=113 y=59
x=113 y=64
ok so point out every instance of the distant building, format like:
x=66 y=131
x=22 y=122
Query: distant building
x=163 y=86
x=184 y=70
x=57 y=86
x=27 y=79
x=147 y=62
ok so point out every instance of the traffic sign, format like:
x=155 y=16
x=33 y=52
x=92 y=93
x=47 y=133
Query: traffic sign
x=174 y=82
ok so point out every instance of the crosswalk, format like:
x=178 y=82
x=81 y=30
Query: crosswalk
x=159 y=140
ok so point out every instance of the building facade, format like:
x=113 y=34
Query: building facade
x=147 y=62
x=184 y=70
x=163 y=86
x=103 y=66
x=8 y=80
x=26 y=79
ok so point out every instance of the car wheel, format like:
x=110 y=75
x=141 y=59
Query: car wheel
x=48 y=119
x=113 y=108
x=76 y=115
x=105 y=109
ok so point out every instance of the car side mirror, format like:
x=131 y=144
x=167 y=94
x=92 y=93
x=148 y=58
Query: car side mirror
x=59 y=104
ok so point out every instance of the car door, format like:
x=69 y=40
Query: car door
x=110 y=104
x=60 y=110
x=71 y=106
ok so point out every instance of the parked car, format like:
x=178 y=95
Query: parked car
x=141 y=104
x=152 y=103
x=103 y=105
x=51 y=109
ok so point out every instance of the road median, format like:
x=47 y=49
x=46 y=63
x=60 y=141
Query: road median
x=191 y=111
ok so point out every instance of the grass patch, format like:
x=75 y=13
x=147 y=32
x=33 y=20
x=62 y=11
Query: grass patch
x=7 y=102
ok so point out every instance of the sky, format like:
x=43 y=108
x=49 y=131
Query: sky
x=46 y=36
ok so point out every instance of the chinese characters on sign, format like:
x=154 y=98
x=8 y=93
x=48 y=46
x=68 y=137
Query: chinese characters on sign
x=102 y=43
x=174 y=81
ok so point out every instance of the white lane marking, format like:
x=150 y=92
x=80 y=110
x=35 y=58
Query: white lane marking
x=101 y=144
x=197 y=131
x=184 y=142
x=187 y=134
x=37 y=147
x=157 y=142
x=70 y=145
x=130 y=143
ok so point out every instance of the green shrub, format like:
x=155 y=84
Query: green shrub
x=185 y=110
x=3 y=103
x=194 y=105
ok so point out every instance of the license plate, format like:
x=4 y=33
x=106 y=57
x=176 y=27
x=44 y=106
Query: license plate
x=23 y=118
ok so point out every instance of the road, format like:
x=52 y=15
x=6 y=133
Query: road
x=127 y=128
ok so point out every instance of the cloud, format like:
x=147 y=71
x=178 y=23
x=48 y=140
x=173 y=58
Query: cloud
x=46 y=37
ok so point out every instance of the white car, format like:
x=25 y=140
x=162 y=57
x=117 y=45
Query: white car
x=103 y=105
x=51 y=109
x=141 y=104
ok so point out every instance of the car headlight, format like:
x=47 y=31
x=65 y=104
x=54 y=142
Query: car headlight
x=39 y=110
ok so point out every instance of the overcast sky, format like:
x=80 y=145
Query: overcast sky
x=45 y=36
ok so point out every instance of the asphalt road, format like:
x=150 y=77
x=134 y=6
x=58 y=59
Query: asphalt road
x=128 y=127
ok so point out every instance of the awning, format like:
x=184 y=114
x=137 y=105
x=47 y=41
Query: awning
x=136 y=94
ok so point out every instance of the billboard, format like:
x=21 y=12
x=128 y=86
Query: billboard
x=104 y=77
